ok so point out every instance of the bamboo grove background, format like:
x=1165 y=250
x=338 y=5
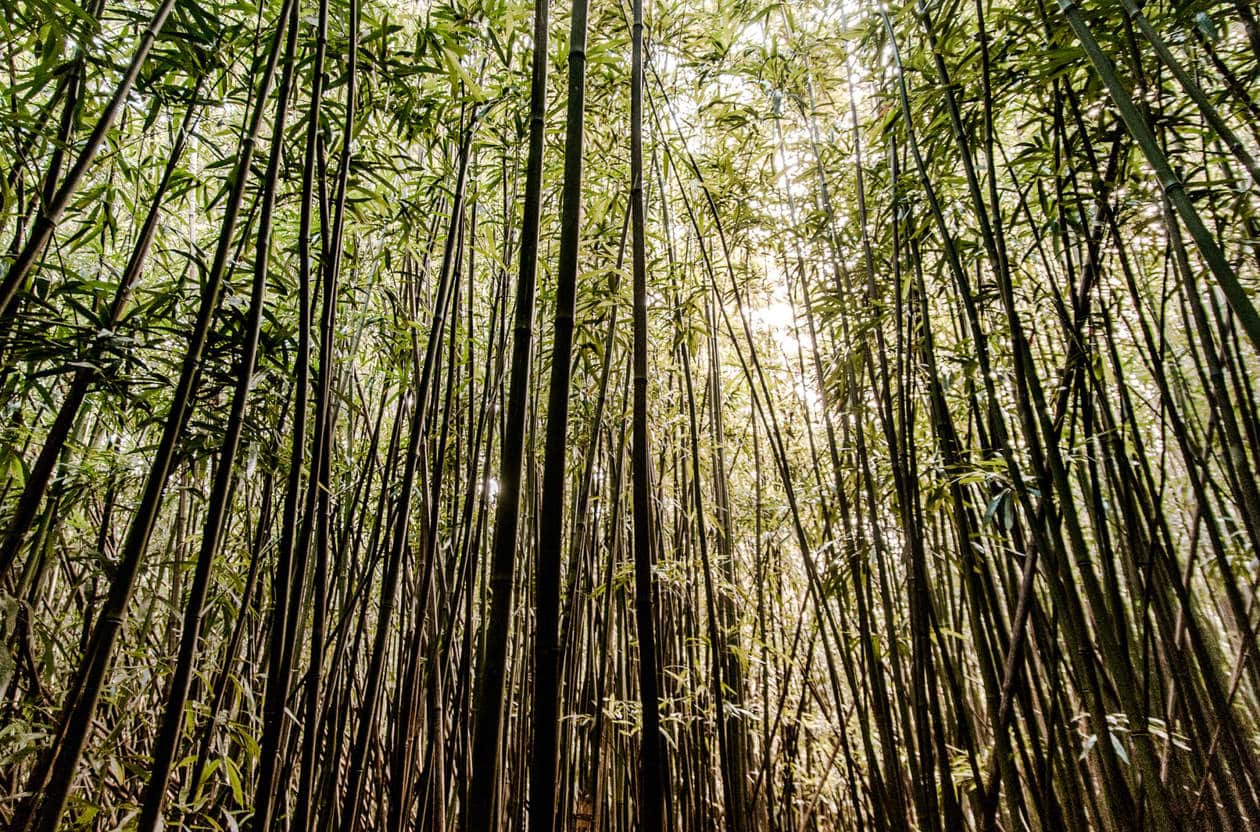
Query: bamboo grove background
x=463 y=415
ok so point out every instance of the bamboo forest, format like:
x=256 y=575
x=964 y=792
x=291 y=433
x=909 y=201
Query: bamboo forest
x=602 y=415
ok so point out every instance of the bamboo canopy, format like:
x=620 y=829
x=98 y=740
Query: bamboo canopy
x=470 y=415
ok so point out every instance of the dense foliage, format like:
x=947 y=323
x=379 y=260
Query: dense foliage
x=451 y=415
